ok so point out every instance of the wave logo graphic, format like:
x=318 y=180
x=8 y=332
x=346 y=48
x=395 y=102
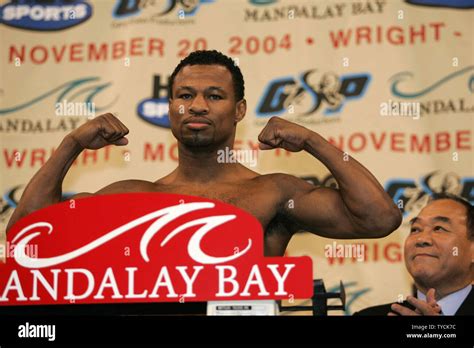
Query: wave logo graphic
x=162 y=216
x=262 y=2
x=404 y=76
x=87 y=88
x=45 y=15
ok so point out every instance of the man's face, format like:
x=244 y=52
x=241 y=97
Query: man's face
x=203 y=110
x=438 y=250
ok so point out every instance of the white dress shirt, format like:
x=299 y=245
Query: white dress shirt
x=450 y=303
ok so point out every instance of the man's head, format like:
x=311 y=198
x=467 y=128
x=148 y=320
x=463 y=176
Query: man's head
x=206 y=99
x=439 y=251
x=212 y=58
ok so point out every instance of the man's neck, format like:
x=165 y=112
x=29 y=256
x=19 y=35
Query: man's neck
x=202 y=165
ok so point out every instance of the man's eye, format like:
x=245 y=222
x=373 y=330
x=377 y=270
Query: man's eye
x=215 y=97
x=414 y=229
x=439 y=228
x=185 y=96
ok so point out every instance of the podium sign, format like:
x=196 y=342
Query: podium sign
x=144 y=247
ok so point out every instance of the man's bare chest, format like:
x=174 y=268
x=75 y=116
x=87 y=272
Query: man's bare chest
x=261 y=198
x=261 y=204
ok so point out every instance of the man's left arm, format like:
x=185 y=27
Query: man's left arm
x=360 y=208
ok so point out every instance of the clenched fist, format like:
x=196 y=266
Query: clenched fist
x=101 y=131
x=282 y=133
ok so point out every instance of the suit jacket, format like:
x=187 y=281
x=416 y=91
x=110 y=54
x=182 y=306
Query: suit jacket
x=466 y=308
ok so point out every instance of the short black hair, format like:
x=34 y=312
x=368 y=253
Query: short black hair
x=465 y=203
x=212 y=57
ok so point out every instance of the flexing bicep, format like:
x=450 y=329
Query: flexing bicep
x=322 y=211
x=319 y=210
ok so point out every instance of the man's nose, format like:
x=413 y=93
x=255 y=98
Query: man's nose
x=199 y=106
x=424 y=239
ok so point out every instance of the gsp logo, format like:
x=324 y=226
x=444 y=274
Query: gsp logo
x=154 y=110
x=310 y=91
x=410 y=195
x=128 y=8
x=45 y=15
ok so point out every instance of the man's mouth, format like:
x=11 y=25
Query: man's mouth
x=194 y=125
x=197 y=124
x=424 y=255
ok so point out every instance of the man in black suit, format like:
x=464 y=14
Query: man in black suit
x=439 y=255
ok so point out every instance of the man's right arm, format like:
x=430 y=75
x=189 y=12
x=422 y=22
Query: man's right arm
x=45 y=188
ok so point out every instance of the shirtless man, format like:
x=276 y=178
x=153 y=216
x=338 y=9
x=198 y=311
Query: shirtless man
x=206 y=103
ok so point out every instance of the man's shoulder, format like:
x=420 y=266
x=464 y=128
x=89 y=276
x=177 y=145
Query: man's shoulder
x=129 y=185
x=288 y=185
x=467 y=307
x=281 y=178
x=123 y=186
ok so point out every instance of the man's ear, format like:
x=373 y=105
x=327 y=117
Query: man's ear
x=240 y=110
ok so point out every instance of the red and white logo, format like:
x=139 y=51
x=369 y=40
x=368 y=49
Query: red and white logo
x=144 y=247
